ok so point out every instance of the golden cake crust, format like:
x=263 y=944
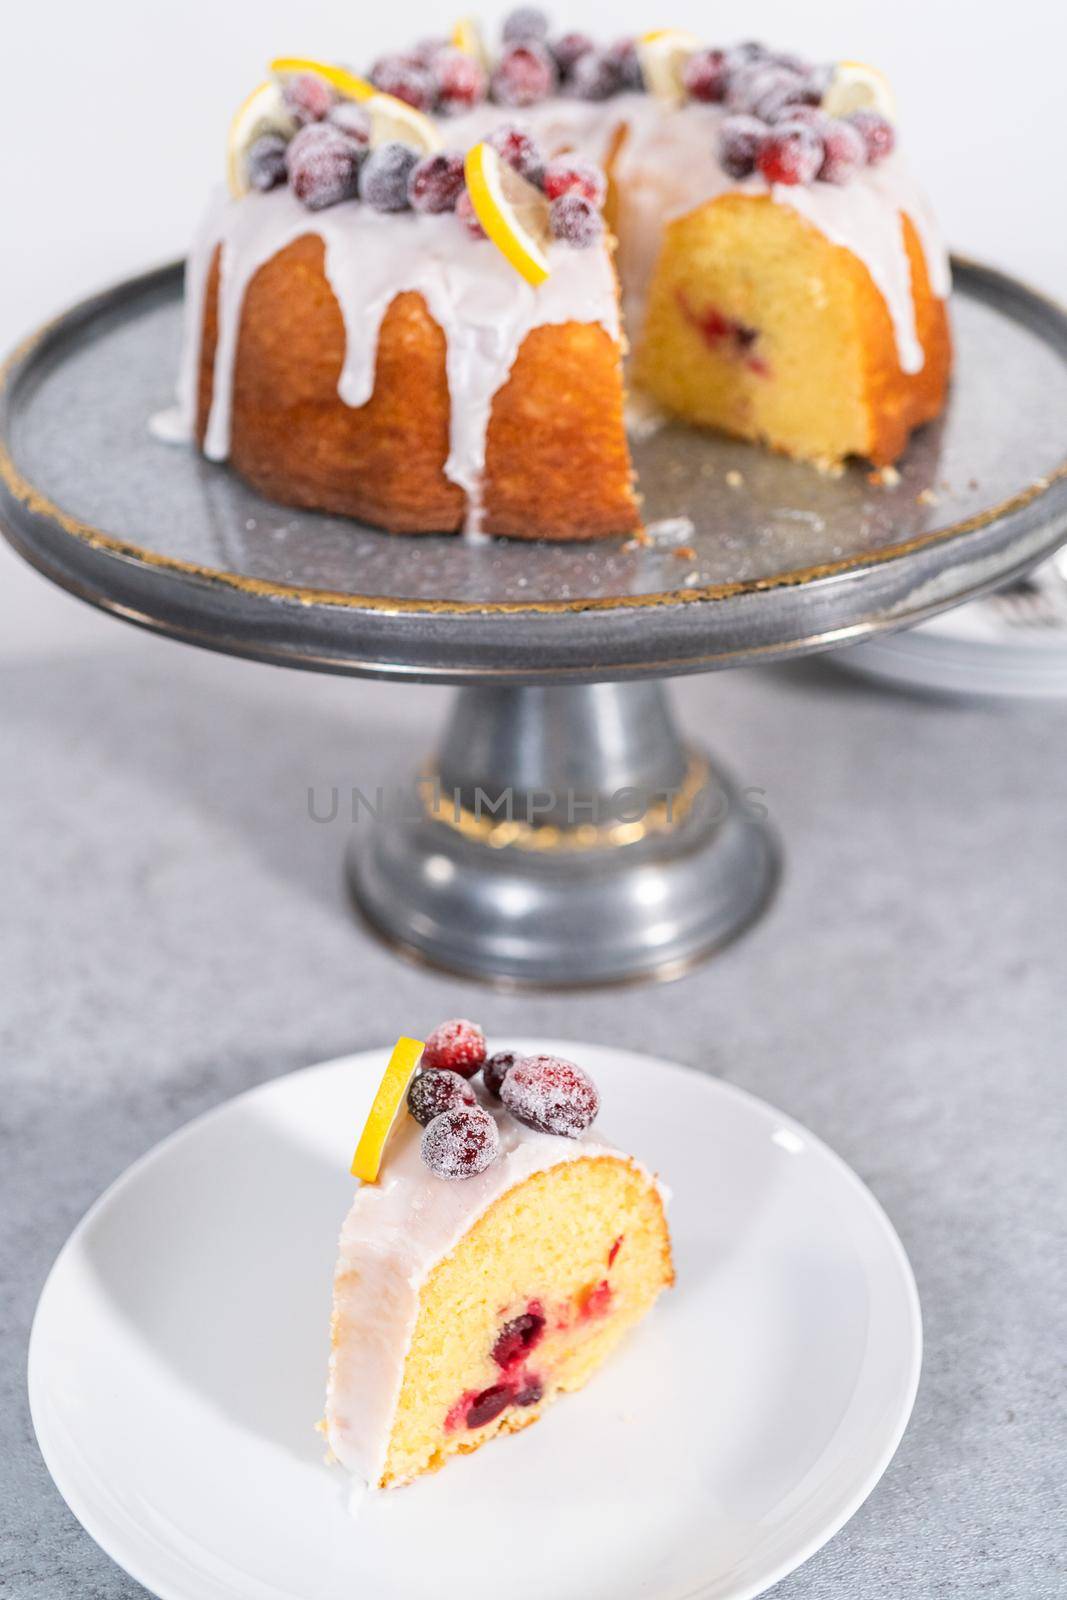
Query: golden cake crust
x=557 y=464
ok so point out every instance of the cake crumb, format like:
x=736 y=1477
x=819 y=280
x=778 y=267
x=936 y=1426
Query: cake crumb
x=669 y=530
x=884 y=477
x=690 y=579
x=684 y=552
x=927 y=497
x=734 y=478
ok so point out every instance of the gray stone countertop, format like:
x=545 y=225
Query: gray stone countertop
x=175 y=929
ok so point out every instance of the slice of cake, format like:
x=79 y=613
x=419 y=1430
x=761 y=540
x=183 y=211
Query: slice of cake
x=501 y=1252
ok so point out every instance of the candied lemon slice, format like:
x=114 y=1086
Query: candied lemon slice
x=346 y=83
x=263 y=112
x=467 y=36
x=513 y=213
x=367 y=1161
x=663 y=55
x=390 y=118
x=858 y=87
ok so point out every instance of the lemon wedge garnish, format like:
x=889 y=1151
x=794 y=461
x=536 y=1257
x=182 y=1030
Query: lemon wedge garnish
x=513 y=213
x=263 y=112
x=346 y=83
x=858 y=87
x=467 y=36
x=663 y=55
x=390 y=118
x=367 y=1161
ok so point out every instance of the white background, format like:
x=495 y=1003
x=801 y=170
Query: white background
x=113 y=121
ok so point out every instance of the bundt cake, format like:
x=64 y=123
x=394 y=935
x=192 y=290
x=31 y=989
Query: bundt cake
x=495 y=1254
x=430 y=338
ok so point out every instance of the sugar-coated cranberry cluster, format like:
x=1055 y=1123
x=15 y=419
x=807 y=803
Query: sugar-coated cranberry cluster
x=461 y=1138
x=329 y=159
x=774 y=123
x=529 y=67
x=770 y=95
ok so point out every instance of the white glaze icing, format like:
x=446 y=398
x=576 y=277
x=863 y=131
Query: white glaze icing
x=396 y=1231
x=667 y=166
x=483 y=306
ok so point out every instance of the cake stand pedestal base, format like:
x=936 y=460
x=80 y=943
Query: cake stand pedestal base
x=563 y=836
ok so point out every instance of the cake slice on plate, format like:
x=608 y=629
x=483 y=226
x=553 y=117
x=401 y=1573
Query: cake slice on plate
x=495 y=1254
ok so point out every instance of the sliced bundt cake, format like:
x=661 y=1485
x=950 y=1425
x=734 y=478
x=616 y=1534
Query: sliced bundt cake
x=498 y=1257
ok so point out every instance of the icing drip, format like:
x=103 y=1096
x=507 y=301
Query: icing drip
x=666 y=166
x=395 y=1233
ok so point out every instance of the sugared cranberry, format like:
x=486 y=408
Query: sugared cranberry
x=810 y=116
x=524 y=75
x=436 y=1091
x=406 y=79
x=877 y=133
x=266 y=162
x=524 y=24
x=572 y=175
x=567 y=50
x=323 y=165
x=531 y=1391
x=308 y=98
x=770 y=89
x=351 y=119
x=704 y=75
x=489 y=1404
x=820 y=77
x=628 y=65
x=743 y=55
x=496 y=1070
x=791 y=153
x=460 y=1143
x=546 y=1092
x=516 y=146
x=519 y=1336
x=436 y=182
x=594 y=76
x=740 y=141
x=789 y=58
x=739 y=79
x=576 y=221
x=458 y=1045
x=461 y=81
x=427 y=51
x=383 y=181
x=468 y=216
x=844 y=152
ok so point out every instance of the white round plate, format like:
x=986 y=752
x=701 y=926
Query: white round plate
x=178 y=1355
x=1009 y=644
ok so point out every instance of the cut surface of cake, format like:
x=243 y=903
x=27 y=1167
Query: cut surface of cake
x=373 y=332
x=465 y=1304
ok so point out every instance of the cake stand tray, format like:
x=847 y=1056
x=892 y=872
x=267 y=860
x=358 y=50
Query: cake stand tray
x=562 y=833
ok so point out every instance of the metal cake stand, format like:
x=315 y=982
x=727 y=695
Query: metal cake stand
x=563 y=832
